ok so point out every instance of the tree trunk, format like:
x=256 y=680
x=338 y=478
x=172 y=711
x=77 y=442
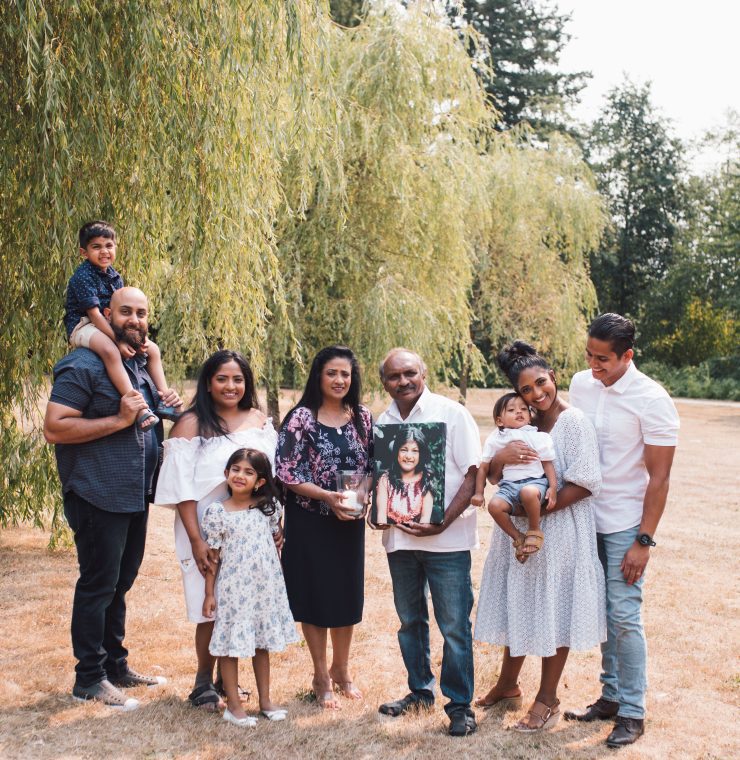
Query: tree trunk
x=464 y=372
x=273 y=402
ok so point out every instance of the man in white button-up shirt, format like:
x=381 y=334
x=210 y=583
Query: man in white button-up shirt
x=637 y=428
x=436 y=558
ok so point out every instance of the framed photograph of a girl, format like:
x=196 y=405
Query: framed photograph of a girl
x=409 y=473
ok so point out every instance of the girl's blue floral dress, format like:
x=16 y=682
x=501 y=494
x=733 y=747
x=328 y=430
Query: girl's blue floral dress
x=252 y=610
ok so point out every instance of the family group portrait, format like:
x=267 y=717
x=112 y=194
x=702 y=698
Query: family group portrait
x=364 y=368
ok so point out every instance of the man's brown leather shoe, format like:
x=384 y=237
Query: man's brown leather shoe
x=601 y=709
x=626 y=731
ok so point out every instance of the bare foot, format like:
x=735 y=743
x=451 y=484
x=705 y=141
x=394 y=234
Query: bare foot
x=348 y=689
x=325 y=698
x=344 y=685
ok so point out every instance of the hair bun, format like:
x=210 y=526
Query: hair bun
x=509 y=355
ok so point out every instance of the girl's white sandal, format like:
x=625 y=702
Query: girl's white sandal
x=274 y=714
x=247 y=722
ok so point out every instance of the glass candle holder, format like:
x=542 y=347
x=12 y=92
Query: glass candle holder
x=354 y=488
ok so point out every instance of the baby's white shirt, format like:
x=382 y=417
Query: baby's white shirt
x=541 y=442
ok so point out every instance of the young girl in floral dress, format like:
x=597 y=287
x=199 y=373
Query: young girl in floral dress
x=246 y=591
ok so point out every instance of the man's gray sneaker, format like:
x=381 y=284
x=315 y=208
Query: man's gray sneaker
x=106 y=693
x=131 y=679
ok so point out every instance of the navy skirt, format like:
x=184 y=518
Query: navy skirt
x=324 y=567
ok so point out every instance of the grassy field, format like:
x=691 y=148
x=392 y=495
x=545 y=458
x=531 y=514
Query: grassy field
x=691 y=615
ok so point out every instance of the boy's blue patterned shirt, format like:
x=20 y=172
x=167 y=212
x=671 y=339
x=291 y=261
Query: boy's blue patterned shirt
x=89 y=287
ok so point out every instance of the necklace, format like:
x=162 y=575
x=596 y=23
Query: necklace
x=337 y=420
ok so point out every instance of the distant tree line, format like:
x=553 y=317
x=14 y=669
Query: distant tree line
x=669 y=256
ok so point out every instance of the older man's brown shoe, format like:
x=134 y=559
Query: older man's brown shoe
x=601 y=709
x=626 y=731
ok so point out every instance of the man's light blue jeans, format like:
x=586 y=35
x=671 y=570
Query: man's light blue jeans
x=624 y=653
x=447 y=576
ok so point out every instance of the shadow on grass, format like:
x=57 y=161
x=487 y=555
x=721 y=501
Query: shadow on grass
x=57 y=726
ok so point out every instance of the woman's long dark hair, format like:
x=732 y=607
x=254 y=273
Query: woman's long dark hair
x=517 y=357
x=312 y=397
x=403 y=436
x=266 y=494
x=210 y=424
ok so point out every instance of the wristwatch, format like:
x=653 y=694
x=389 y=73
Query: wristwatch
x=645 y=539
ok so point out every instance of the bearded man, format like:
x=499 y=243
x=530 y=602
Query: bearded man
x=107 y=466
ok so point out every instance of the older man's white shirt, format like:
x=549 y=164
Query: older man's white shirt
x=463 y=452
x=632 y=412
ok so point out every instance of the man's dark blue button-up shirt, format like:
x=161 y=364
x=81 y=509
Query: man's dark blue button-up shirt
x=109 y=472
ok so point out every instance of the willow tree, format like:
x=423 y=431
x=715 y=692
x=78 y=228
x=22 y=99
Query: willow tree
x=384 y=253
x=171 y=120
x=532 y=278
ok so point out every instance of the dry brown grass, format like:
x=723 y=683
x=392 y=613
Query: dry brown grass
x=691 y=618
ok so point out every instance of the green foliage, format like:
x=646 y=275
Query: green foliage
x=278 y=183
x=703 y=331
x=172 y=121
x=524 y=41
x=386 y=258
x=637 y=165
x=532 y=273
x=348 y=13
x=692 y=313
x=710 y=379
x=438 y=214
x=27 y=492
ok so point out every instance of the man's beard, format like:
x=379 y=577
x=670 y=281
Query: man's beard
x=129 y=335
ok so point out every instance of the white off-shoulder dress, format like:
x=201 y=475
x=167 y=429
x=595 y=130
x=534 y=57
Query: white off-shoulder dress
x=556 y=598
x=194 y=470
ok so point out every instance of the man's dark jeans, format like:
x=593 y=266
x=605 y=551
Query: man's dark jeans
x=110 y=547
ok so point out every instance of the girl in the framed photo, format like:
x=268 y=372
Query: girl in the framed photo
x=404 y=494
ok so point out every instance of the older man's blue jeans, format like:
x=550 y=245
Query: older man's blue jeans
x=624 y=653
x=447 y=576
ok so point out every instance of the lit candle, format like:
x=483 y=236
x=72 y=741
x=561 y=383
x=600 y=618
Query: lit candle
x=351 y=501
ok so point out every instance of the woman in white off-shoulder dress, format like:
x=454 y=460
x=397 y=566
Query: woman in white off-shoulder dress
x=554 y=601
x=223 y=417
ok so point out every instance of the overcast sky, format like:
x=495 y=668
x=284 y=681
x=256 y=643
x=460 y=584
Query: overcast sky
x=689 y=50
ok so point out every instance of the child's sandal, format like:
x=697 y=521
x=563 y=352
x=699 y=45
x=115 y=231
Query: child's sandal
x=519 y=550
x=171 y=413
x=147 y=419
x=533 y=541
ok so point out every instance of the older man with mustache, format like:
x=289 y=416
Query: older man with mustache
x=107 y=466
x=434 y=558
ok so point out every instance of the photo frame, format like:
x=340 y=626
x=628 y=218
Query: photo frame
x=409 y=473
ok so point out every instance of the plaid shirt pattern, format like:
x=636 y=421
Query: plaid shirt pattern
x=108 y=472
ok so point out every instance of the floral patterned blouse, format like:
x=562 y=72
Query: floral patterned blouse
x=309 y=452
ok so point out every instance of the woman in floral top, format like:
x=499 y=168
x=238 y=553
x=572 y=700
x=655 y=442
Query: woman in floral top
x=324 y=551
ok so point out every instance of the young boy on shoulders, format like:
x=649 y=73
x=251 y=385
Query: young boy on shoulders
x=89 y=292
